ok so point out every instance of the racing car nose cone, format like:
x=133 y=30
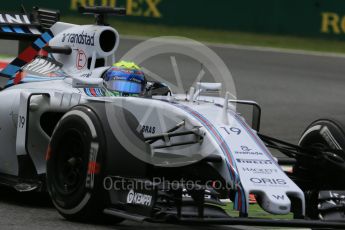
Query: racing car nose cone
x=275 y=203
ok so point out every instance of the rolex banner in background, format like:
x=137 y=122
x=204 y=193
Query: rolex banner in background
x=316 y=18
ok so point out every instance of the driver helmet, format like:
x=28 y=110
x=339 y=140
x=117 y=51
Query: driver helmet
x=125 y=79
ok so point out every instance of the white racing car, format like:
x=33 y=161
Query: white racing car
x=102 y=158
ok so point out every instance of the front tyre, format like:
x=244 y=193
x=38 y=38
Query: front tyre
x=325 y=140
x=74 y=167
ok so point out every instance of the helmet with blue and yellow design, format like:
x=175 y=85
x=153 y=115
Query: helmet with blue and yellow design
x=125 y=78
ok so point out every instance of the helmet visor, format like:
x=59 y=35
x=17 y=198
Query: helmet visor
x=124 y=86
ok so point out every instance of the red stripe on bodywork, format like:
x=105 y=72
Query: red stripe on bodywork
x=48 y=153
x=43 y=53
x=28 y=54
x=93 y=92
x=93 y=168
x=19 y=76
x=3 y=64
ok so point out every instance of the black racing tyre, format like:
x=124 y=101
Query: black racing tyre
x=323 y=135
x=75 y=157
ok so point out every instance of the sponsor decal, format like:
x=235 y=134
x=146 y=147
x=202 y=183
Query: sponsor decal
x=268 y=181
x=81 y=59
x=259 y=170
x=93 y=166
x=231 y=130
x=86 y=75
x=279 y=197
x=248 y=151
x=148 y=129
x=125 y=77
x=332 y=23
x=187 y=195
x=138 y=198
x=336 y=195
x=143 y=8
x=14 y=19
x=254 y=161
x=76 y=38
x=329 y=138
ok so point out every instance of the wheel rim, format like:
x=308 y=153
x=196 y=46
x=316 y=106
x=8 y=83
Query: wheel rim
x=70 y=164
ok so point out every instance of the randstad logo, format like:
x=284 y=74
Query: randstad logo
x=144 y=8
x=332 y=23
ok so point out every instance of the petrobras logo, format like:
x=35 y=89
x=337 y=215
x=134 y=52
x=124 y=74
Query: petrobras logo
x=268 y=181
x=254 y=161
x=138 y=198
x=82 y=38
x=259 y=170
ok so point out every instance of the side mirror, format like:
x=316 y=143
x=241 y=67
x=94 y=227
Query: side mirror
x=83 y=82
x=202 y=87
x=251 y=111
x=157 y=89
x=208 y=86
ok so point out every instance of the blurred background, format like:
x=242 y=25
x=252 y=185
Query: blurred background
x=288 y=55
x=285 y=54
x=299 y=24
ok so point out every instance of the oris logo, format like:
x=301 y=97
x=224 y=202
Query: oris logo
x=268 y=181
x=138 y=198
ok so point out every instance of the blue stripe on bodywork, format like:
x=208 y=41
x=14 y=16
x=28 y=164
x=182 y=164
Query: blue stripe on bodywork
x=99 y=92
x=39 y=43
x=10 y=69
x=252 y=135
x=46 y=37
x=7 y=29
x=87 y=91
x=18 y=30
x=240 y=197
x=26 y=80
x=220 y=141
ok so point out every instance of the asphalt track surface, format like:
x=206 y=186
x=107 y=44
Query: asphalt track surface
x=292 y=89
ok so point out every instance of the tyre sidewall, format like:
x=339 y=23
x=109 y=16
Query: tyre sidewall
x=327 y=131
x=90 y=195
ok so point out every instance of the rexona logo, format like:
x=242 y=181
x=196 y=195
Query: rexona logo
x=138 y=198
x=14 y=19
x=268 y=181
x=254 y=161
x=77 y=38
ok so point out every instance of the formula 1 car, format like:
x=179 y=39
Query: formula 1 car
x=101 y=158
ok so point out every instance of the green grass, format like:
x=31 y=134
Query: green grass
x=4 y=56
x=256 y=212
x=222 y=36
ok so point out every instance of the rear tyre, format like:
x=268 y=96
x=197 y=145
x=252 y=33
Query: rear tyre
x=326 y=172
x=74 y=168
